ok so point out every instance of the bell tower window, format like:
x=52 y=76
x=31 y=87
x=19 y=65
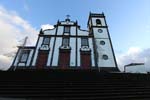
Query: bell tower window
x=98 y=22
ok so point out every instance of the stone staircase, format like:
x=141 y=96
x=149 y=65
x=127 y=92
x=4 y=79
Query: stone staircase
x=73 y=85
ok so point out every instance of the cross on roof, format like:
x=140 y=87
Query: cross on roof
x=67 y=16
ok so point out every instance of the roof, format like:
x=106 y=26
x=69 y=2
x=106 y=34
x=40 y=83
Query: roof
x=134 y=64
x=26 y=47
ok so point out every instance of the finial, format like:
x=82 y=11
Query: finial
x=67 y=16
x=67 y=19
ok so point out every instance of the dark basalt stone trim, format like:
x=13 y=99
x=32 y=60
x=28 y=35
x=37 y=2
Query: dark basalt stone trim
x=85 y=52
x=44 y=51
x=99 y=26
x=64 y=50
x=77 y=36
x=108 y=69
x=54 y=68
x=26 y=47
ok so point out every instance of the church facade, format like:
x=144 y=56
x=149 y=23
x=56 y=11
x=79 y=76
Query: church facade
x=66 y=46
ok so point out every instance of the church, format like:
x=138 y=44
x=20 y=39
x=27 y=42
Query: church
x=67 y=47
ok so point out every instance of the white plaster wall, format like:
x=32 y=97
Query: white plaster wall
x=92 y=51
x=60 y=30
x=67 y=22
x=105 y=49
x=73 y=51
x=21 y=64
x=36 y=51
x=50 y=51
x=56 y=51
x=50 y=32
x=83 y=33
x=136 y=69
x=102 y=21
x=78 y=52
x=73 y=30
x=17 y=58
x=104 y=34
x=30 y=57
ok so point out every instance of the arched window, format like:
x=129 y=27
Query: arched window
x=84 y=41
x=46 y=41
x=98 y=22
x=24 y=56
x=65 y=42
x=66 y=29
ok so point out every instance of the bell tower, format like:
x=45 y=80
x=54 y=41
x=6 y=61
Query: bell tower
x=104 y=53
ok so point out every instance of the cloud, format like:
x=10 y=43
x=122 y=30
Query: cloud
x=26 y=7
x=5 y=62
x=47 y=26
x=12 y=29
x=134 y=55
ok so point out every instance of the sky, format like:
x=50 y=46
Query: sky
x=128 y=22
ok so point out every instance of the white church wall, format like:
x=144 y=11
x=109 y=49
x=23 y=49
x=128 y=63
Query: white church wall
x=105 y=50
x=17 y=58
x=73 y=51
x=73 y=30
x=100 y=35
x=21 y=64
x=60 y=30
x=50 y=51
x=30 y=57
x=67 y=23
x=56 y=51
x=36 y=51
x=82 y=33
x=49 y=31
x=92 y=51
x=78 y=53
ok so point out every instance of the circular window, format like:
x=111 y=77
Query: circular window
x=102 y=42
x=100 y=30
x=105 y=57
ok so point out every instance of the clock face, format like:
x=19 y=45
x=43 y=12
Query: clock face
x=100 y=30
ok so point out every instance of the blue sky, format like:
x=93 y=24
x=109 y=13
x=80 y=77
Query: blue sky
x=128 y=20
